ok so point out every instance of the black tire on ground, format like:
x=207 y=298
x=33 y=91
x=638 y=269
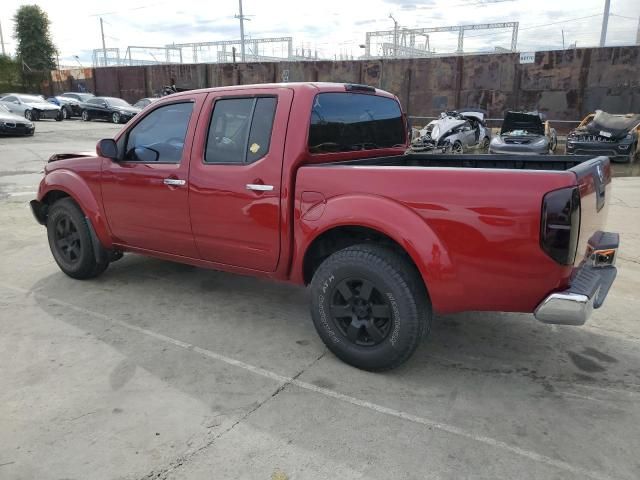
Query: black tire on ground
x=85 y=116
x=60 y=116
x=457 y=148
x=66 y=113
x=28 y=114
x=370 y=307
x=70 y=241
x=115 y=117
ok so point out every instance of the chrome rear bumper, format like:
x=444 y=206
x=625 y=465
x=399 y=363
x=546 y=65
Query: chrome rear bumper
x=589 y=286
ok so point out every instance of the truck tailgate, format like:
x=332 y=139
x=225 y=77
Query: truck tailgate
x=594 y=185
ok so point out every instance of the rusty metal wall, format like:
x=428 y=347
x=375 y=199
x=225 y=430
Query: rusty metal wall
x=563 y=84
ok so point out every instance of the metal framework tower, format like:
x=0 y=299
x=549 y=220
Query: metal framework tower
x=222 y=50
x=401 y=48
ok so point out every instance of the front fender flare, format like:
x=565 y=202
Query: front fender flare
x=76 y=187
x=393 y=219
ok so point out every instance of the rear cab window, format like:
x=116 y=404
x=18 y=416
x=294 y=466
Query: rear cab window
x=346 y=122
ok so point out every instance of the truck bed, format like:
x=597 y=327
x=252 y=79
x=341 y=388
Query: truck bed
x=510 y=162
x=477 y=217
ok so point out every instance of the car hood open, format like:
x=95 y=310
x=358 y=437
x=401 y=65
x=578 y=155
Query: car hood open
x=442 y=127
x=65 y=156
x=530 y=122
x=616 y=126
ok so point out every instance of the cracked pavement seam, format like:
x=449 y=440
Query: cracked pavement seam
x=176 y=464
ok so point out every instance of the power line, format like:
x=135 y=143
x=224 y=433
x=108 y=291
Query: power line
x=622 y=16
x=537 y=26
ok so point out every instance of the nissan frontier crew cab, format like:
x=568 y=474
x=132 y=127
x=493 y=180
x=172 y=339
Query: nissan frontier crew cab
x=310 y=183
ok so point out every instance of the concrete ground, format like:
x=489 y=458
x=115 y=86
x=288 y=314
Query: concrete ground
x=158 y=370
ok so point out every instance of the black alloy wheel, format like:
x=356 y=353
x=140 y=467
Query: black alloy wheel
x=67 y=239
x=70 y=240
x=370 y=306
x=360 y=312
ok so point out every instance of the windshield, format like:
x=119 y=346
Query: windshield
x=117 y=102
x=32 y=99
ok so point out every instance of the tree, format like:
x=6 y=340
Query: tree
x=9 y=74
x=35 y=48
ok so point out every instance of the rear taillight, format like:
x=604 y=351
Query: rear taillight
x=560 y=224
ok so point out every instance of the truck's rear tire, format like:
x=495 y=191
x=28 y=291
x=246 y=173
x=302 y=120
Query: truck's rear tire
x=70 y=241
x=369 y=306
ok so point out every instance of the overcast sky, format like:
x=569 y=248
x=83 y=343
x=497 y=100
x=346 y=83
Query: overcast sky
x=333 y=27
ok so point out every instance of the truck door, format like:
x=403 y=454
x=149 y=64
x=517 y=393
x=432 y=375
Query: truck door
x=235 y=177
x=146 y=193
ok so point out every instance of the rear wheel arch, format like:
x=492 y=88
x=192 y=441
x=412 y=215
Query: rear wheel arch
x=345 y=236
x=394 y=225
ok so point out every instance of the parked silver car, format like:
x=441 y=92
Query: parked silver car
x=31 y=107
x=525 y=133
x=454 y=132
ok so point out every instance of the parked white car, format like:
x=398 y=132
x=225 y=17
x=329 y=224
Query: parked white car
x=31 y=107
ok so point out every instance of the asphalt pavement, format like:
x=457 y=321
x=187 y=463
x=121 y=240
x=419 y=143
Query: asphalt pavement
x=163 y=371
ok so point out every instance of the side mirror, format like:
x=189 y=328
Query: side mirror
x=107 y=148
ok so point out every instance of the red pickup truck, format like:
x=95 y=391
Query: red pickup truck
x=310 y=183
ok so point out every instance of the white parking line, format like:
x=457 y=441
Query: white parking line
x=18 y=194
x=451 y=429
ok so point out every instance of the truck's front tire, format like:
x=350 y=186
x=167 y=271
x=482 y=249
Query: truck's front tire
x=369 y=306
x=70 y=241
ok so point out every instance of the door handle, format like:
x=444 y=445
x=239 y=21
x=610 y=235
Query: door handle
x=259 y=188
x=174 y=182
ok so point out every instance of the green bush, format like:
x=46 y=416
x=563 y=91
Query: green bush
x=10 y=80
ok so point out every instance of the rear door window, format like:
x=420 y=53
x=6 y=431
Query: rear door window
x=240 y=130
x=344 y=122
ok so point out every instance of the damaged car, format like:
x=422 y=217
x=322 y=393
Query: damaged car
x=31 y=107
x=454 y=132
x=526 y=133
x=602 y=133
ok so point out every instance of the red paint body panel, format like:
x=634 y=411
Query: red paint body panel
x=80 y=179
x=231 y=224
x=473 y=233
x=141 y=210
x=477 y=248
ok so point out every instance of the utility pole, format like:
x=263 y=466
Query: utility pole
x=241 y=18
x=104 y=46
x=563 y=38
x=605 y=22
x=395 y=36
x=2 y=40
x=637 y=35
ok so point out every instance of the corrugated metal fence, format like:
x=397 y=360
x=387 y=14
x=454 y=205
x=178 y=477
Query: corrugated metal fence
x=564 y=84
